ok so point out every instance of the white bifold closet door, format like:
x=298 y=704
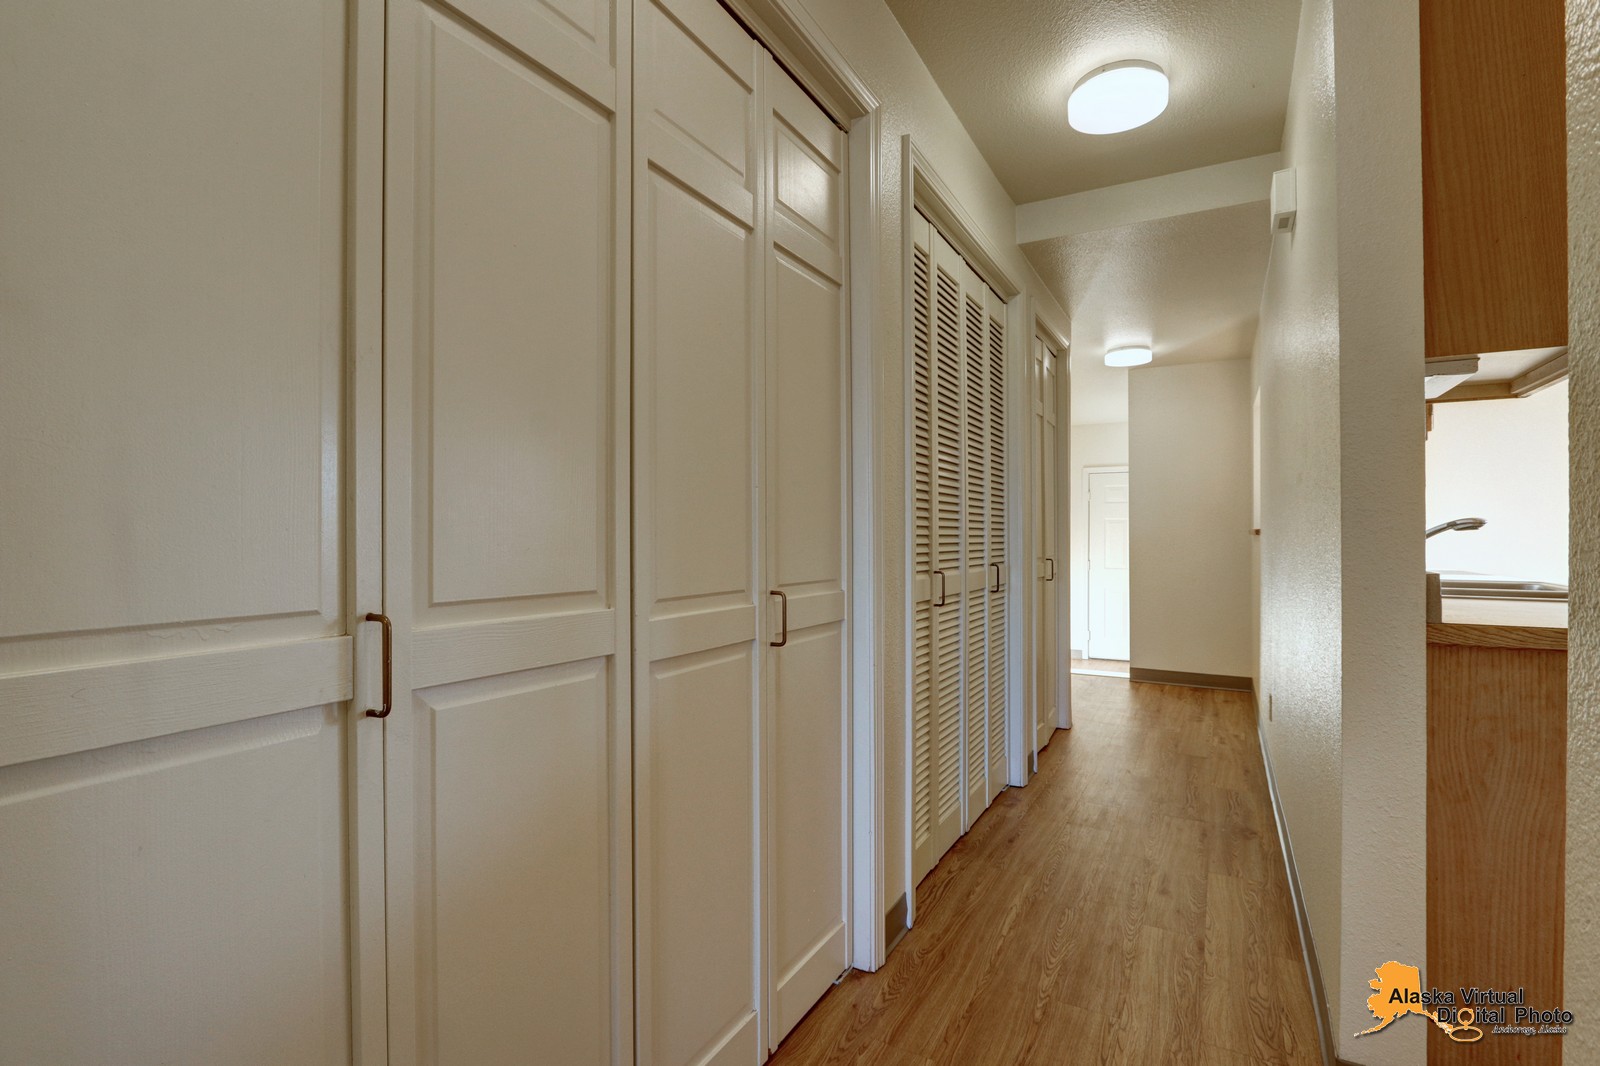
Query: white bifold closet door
x=180 y=771
x=958 y=546
x=1046 y=570
x=738 y=540
x=506 y=498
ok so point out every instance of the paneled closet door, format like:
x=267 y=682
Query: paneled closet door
x=995 y=519
x=804 y=718
x=506 y=486
x=182 y=780
x=1047 y=571
x=700 y=598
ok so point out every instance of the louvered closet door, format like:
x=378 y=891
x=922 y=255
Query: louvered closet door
x=995 y=515
x=923 y=750
x=804 y=710
x=506 y=482
x=181 y=771
x=698 y=331
x=975 y=536
x=948 y=577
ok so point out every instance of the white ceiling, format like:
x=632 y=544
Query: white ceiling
x=1007 y=66
x=1190 y=286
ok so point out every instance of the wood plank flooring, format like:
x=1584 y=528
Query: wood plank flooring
x=1129 y=906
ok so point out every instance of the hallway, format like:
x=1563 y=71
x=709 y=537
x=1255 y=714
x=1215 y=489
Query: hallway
x=1128 y=906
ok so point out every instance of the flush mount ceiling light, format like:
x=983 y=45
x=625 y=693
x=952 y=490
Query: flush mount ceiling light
x=1117 y=97
x=1135 y=355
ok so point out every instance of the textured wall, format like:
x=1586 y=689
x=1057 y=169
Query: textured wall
x=1383 y=740
x=1582 y=991
x=1095 y=444
x=1297 y=375
x=1339 y=367
x=1189 y=517
x=870 y=39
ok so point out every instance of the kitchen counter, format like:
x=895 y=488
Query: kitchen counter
x=1533 y=624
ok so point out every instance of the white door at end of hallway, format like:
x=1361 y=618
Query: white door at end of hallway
x=1108 y=564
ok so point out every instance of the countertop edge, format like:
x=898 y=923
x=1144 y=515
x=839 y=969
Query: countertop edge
x=1532 y=638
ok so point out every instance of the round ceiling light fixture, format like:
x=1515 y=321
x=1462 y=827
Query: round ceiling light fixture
x=1133 y=355
x=1117 y=97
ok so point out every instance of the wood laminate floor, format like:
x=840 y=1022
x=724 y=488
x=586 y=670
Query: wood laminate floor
x=1129 y=906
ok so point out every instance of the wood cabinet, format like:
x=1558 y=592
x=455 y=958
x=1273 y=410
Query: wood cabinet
x=1497 y=734
x=1494 y=175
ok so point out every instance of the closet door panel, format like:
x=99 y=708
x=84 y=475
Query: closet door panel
x=521 y=866
x=508 y=797
x=923 y=751
x=949 y=556
x=176 y=753
x=697 y=328
x=804 y=714
x=999 y=572
x=520 y=444
x=975 y=526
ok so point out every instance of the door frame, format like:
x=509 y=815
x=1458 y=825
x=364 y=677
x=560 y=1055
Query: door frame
x=792 y=35
x=922 y=189
x=1063 y=545
x=1088 y=519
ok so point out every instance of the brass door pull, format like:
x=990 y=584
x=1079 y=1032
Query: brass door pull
x=388 y=664
x=940 y=575
x=783 y=601
x=996 y=577
x=1052 y=575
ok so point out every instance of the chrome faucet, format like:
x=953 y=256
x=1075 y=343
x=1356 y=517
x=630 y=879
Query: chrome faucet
x=1459 y=523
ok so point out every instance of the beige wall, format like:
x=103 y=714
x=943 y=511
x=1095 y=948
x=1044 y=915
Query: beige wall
x=1504 y=461
x=1095 y=444
x=1338 y=363
x=1582 y=990
x=869 y=38
x=1189 y=517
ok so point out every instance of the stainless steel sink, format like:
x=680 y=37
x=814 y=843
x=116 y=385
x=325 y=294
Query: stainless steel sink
x=1493 y=588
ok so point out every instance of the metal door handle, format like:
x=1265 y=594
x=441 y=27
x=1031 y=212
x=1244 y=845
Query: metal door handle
x=388 y=664
x=1052 y=563
x=996 y=577
x=940 y=575
x=783 y=600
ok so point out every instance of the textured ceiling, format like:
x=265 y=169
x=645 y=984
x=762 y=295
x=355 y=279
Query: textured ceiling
x=1007 y=66
x=1190 y=286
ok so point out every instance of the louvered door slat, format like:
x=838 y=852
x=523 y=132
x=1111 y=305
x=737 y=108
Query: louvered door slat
x=975 y=468
x=997 y=544
x=947 y=543
x=922 y=549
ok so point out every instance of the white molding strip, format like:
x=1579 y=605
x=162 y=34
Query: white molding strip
x=1242 y=181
